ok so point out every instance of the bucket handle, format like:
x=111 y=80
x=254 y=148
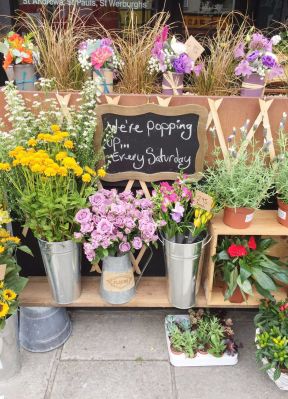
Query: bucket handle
x=206 y=240
x=144 y=267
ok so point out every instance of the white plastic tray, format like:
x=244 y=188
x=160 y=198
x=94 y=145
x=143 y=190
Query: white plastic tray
x=199 y=360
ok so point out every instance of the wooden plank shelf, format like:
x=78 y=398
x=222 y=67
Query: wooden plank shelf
x=152 y=293
x=264 y=223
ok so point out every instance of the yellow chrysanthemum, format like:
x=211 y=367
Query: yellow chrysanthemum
x=2 y=249
x=16 y=150
x=55 y=128
x=62 y=171
x=4 y=217
x=1 y=284
x=16 y=240
x=68 y=144
x=89 y=170
x=32 y=142
x=78 y=171
x=4 y=309
x=86 y=178
x=61 y=155
x=9 y=295
x=50 y=171
x=4 y=233
x=69 y=162
x=101 y=172
x=64 y=134
x=5 y=166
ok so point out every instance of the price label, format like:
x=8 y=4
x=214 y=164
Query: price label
x=249 y=217
x=2 y=272
x=203 y=201
x=193 y=48
x=281 y=214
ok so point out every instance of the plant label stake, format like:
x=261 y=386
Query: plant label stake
x=193 y=48
x=203 y=201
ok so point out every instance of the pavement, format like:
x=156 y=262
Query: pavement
x=123 y=354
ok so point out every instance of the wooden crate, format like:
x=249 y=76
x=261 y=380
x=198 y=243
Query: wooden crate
x=265 y=224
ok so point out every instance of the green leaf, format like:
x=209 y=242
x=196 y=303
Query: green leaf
x=277 y=373
x=245 y=286
x=245 y=271
x=262 y=291
x=263 y=279
x=25 y=249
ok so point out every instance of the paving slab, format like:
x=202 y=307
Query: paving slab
x=243 y=381
x=32 y=381
x=112 y=380
x=116 y=335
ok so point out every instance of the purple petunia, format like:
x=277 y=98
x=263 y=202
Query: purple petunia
x=243 y=69
x=268 y=61
x=183 y=64
x=253 y=56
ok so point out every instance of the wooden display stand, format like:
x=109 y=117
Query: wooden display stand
x=264 y=223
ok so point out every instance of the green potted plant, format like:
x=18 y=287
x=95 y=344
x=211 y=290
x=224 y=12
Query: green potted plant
x=272 y=340
x=241 y=180
x=202 y=338
x=243 y=263
x=11 y=285
x=281 y=172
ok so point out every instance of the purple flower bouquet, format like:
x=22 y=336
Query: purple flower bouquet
x=256 y=56
x=115 y=224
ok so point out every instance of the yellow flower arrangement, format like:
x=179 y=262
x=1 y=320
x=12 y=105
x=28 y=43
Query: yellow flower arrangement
x=51 y=183
x=4 y=309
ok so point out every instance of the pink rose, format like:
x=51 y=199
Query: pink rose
x=124 y=247
x=100 y=56
x=137 y=243
x=86 y=228
x=83 y=216
x=97 y=199
x=104 y=227
x=78 y=236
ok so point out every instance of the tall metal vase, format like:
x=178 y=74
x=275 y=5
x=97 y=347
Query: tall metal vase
x=9 y=349
x=62 y=262
x=182 y=264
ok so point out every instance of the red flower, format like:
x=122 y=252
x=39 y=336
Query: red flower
x=252 y=243
x=236 y=250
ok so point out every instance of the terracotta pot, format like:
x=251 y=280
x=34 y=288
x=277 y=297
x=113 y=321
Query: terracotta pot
x=238 y=218
x=237 y=296
x=174 y=351
x=282 y=216
x=253 y=86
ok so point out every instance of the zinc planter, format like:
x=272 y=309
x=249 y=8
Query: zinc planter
x=24 y=76
x=62 y=262
x=182 y=264
x=105 y=78
x=9 y=349
x=253 y=86
x=172 y=83
x=238 y=218
x=43 y=329
x=282 y=216
x=117 y=284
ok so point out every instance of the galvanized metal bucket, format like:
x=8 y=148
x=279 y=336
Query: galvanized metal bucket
x=24 y=76
x=62 y=262
x=43 y=329
x=9 y=349
x=182 y=264
x=117 y=284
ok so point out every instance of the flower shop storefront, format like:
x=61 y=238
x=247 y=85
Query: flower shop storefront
x=219 y=118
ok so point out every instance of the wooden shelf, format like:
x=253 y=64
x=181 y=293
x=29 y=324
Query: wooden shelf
x=152 y=293
x=217 y=299
x=264 y=223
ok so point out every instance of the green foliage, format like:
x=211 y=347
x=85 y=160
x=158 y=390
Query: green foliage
x=243 y=178
x=203 y=331
x=253 y=267
x=272 y=314
x=281 y=163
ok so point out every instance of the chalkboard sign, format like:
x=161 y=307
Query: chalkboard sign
x=154 y=142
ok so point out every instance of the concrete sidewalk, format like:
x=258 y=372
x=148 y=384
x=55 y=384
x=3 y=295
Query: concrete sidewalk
x=123 y=355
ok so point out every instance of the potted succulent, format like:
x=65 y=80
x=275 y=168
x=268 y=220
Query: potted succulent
x=183 y=226
x=170 y=57
x=281 y=171
x=20 y=56
x=114 y=225
x=272 y=341
x=11 y=285
x=186 y=339
x=243 y=263
x=256 y=63
x=241 y=180
x=52 y=186
x=102 y=57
